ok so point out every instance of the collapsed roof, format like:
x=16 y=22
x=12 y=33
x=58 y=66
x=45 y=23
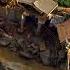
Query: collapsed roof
x=46 y=6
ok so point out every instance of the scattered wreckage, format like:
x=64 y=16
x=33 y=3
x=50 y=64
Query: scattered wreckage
x=24 y=31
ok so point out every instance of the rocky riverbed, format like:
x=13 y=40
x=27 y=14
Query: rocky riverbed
x=9 y=58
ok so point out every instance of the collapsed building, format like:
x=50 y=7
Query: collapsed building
x=28 y=29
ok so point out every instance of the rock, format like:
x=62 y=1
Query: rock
x=4 y=41
x=56 y=20
x=39 y=43
x=25 y=54
x=4 y=2
x=15 y=14
x=21 y=42
x=13 y=46
x=27 y=49
x=45 y=57
x=10 y=65
x=2 y=67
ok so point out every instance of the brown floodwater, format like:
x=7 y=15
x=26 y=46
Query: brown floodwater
x=6 y=54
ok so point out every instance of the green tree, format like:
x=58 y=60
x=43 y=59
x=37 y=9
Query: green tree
x=65 y=3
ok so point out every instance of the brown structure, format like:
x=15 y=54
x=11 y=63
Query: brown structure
x=64 y=30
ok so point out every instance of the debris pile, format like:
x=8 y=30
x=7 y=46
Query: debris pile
x=32 y=35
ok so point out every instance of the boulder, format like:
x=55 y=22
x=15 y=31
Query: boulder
x=4 y=41
x=45 y=57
